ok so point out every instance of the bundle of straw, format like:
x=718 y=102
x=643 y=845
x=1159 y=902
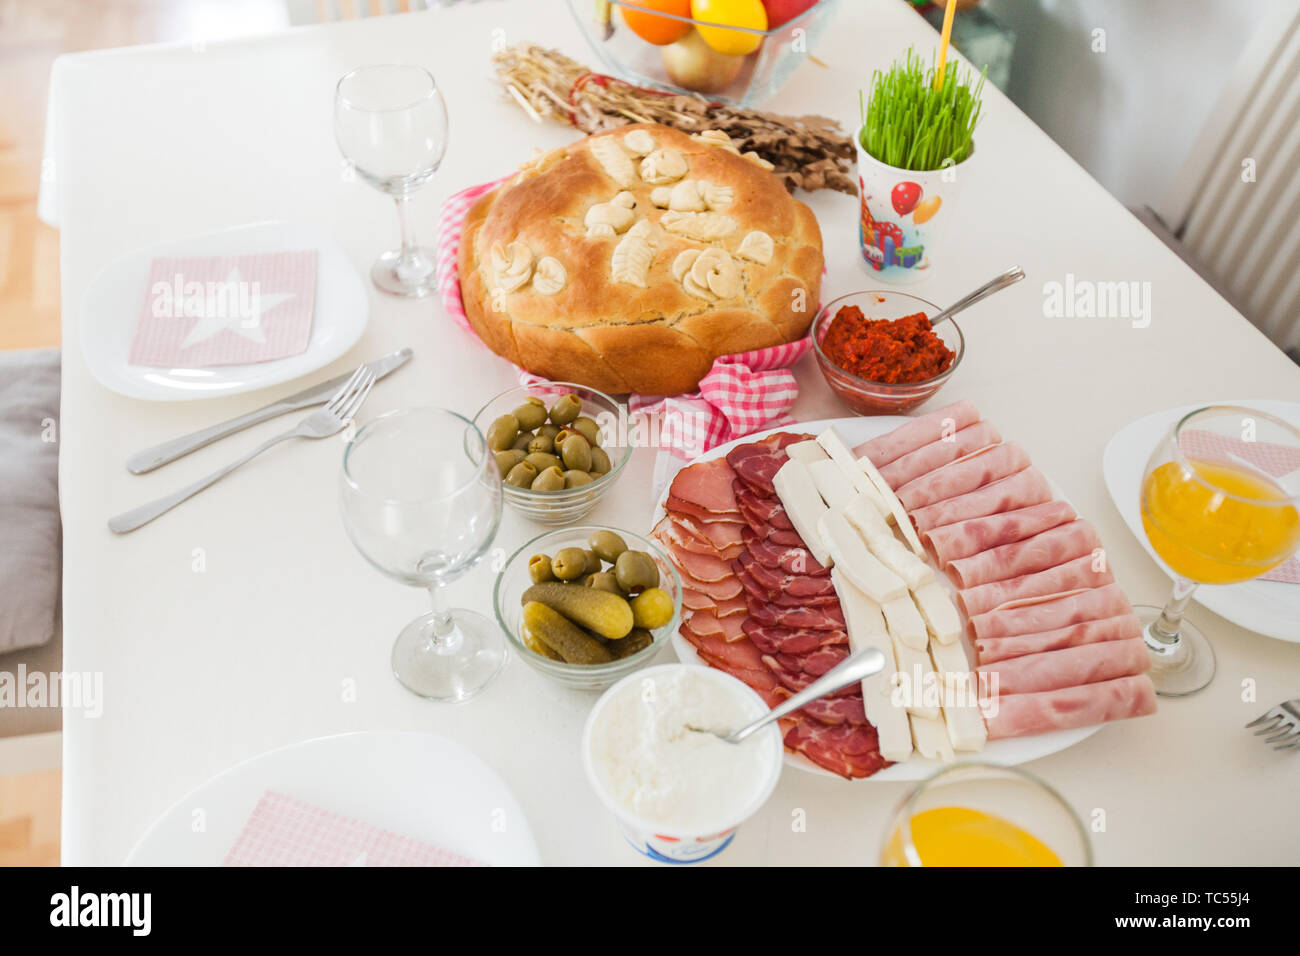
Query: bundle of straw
x=809 y=152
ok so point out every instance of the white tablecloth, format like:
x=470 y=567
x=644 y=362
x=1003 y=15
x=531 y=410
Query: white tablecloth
x=230 y=626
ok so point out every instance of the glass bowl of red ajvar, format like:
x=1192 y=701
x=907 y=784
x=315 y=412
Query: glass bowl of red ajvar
x=879 y=352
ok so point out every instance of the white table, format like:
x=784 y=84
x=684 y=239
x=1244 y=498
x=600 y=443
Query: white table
x=206 y=668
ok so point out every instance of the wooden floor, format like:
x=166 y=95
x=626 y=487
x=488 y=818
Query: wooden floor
x=32 y=34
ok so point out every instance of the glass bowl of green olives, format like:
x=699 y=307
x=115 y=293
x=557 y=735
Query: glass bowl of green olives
x=558 y=447
x=588 y=605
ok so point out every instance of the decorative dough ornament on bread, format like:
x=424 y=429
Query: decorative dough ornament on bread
x=631 y=259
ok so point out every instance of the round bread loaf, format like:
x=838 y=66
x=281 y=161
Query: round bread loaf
x=628 y=261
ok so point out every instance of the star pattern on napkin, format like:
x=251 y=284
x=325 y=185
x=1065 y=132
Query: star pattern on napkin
x=213 y=320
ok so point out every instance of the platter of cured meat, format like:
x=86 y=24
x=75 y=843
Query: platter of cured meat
x=931 y=538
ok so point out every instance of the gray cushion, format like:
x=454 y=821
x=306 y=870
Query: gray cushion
x=30 y=561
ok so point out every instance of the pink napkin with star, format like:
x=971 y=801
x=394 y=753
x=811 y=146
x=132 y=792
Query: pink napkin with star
x=282 y=831
x=202 y=311
x=741 y=393
x=1276 y=461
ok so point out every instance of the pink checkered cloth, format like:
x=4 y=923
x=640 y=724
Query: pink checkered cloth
x=741 y=394
x=200 y=311
x=1273 y=459
x=282 y=831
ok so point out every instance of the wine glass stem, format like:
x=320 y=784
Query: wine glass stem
x=444 y=626
x=1165 y=627
x=410 y=248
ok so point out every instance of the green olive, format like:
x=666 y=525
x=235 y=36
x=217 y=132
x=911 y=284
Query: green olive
x=552 y=479
x=522 y=475
x=576 y=452
x=531 y=414
x=501 y=434
x=575 y=479
x=521 y=443
x=508 y=459
x=569 y=563
x=636 y=571
x=539 y=568
x=566 y=409
x=588 y=428
x=608 y=545
x=594 y=564
x=549 y=430
x=541 y=461
x=541 y=445
x=605 y=581
x=600 y=463
x=652 y=608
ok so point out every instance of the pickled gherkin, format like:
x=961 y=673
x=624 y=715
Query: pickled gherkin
x=547 y=626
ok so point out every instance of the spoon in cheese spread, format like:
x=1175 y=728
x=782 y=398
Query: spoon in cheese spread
x=852 y=669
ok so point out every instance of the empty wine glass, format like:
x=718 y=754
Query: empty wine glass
x=391 y=124
x=421 y=500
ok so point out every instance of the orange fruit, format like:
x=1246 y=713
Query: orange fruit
x=651 y=27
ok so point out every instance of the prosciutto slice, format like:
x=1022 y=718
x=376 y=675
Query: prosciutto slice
x=1122 y=627
x=938 y=453
x=677 y=506
x=790 y=559
x=1021 y=714
x=1070 y=666
x=1044 y=550
x=1024 y=488
x=785 y=640
x=952 y=541
x=704 y=624
x=920 y=431
x=1070 y=576
x=845 y=749
x=707 y=484
x=965 y=474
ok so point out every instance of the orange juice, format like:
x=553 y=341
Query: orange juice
x=958 y=836
x=1210 y=537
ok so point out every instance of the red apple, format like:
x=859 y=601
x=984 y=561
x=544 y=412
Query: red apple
x=783 y=11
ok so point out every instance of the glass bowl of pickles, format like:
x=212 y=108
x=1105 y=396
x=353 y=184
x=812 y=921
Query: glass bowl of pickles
x=559 y=447
x=588 y=605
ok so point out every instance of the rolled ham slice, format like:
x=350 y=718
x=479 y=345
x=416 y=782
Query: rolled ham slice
x=938 y=453
x=1021 y=714
x=1070 y=666
x=918 y=432
x=1119 y=628
x=952 y=541
x=1070 y=576
x=1024 y=488
x=1033 y=615
x=965 y=474
x=1044 y=550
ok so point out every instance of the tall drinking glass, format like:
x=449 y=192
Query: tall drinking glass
x=1219 y=505
x=390 y=123
x=421 y=500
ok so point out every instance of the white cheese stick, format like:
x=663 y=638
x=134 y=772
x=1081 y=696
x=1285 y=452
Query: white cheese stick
x=905 y=622
x=866 y=627
x=866 y=517
x=849 y=552
x=833 y=485
x=893 y=506
x=941 y=617
x=931 y=738
x=961 y=712
x=839 y=453
x=794 y=486
x=921 y=683
x=805 y=451
x=898 y=559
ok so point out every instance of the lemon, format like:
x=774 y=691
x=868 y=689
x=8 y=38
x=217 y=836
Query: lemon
x=730 y=13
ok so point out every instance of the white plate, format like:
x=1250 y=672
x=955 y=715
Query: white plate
x=420 y=786
x=1010 y=752
x=1271 y=608
x=111 y=308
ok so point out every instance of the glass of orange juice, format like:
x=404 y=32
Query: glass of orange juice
x=1220 y=504
x=981 y=814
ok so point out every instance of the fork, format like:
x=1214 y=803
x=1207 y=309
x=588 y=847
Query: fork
x=330 y=419
x=1283 y=722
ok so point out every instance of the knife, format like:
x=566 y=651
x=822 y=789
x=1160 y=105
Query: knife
x=169 y=451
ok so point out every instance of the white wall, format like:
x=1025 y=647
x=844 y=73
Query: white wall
x=1128 y=115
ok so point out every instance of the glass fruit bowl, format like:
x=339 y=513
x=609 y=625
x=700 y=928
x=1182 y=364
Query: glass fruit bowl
x=568 y=504
x=883 y=398
x=656 y=43
x=514 y=580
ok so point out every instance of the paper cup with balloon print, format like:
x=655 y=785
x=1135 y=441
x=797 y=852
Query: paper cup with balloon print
x=904 y=216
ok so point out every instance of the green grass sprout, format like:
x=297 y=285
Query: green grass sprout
x=910 y=124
